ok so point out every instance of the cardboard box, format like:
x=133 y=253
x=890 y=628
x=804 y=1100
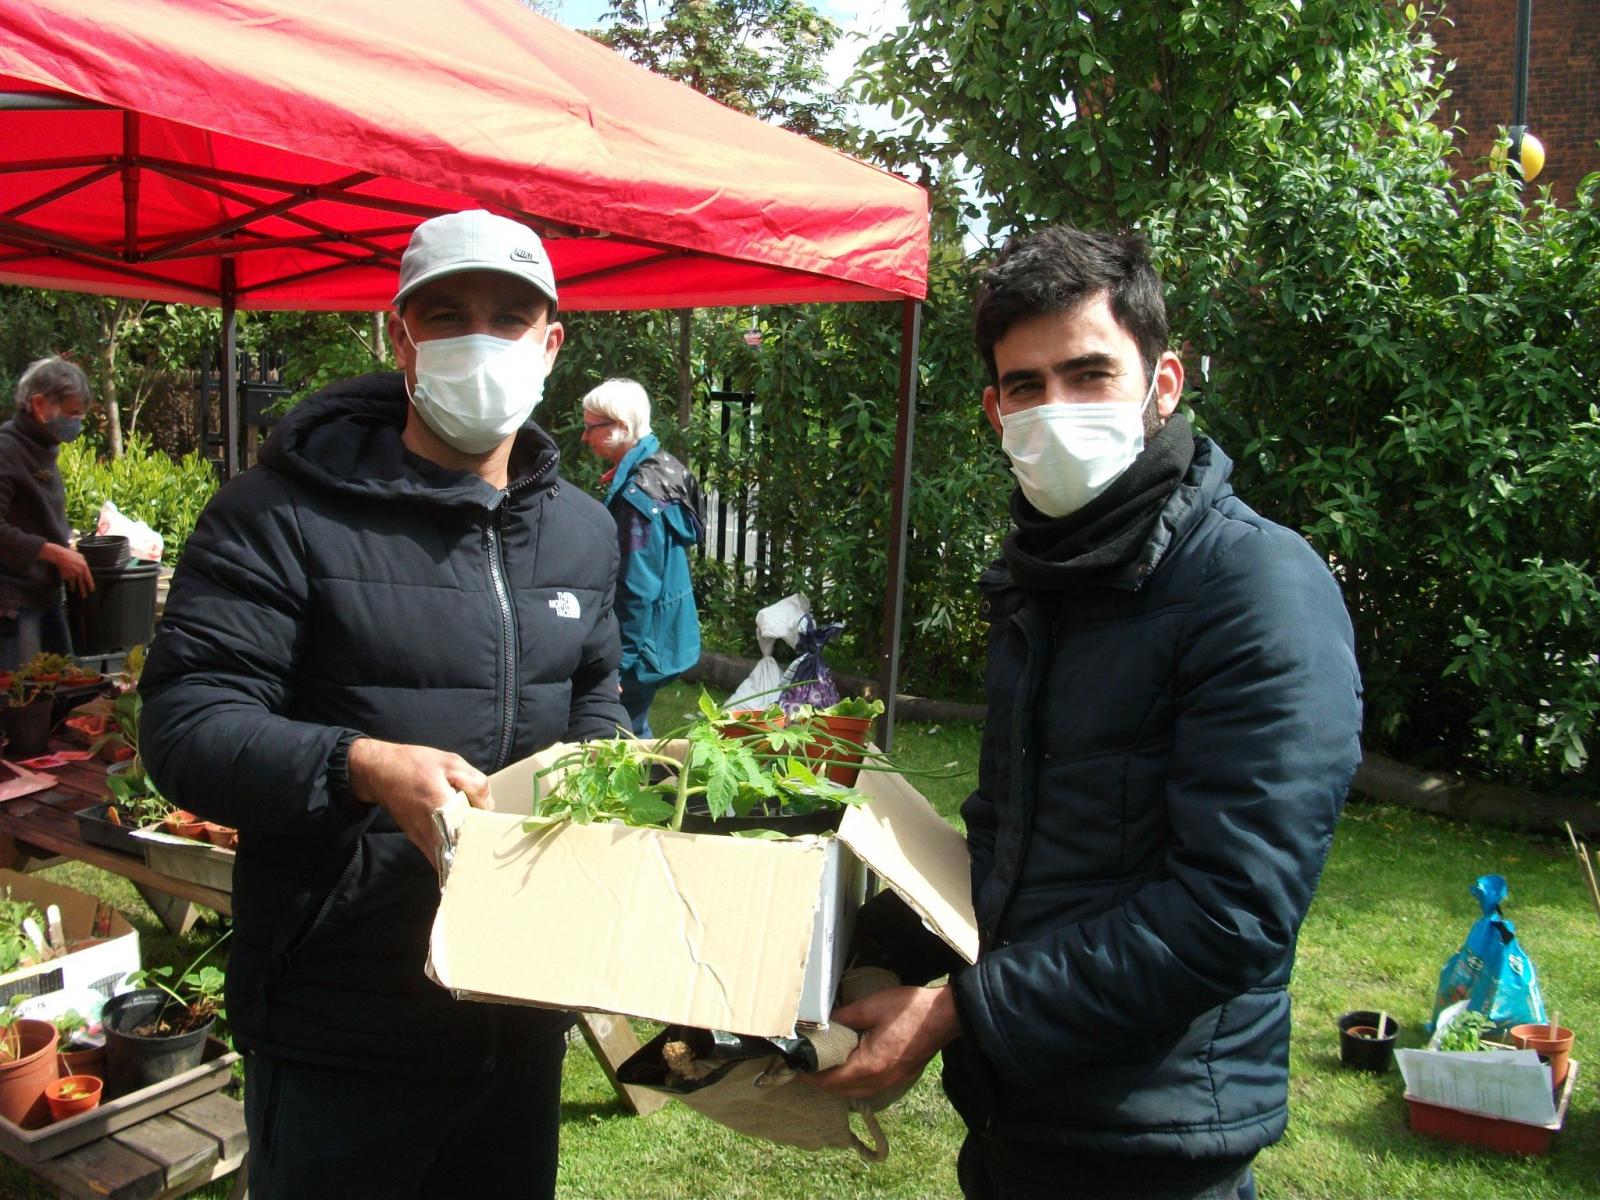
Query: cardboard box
x=100 y=964
x=717 y=932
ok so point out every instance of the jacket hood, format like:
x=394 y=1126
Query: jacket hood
x=346 y=439
x=1205 y=482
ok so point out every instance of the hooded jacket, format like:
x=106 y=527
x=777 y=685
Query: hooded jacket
x=33 y=511
x=655 y=502
x=1166 y=753
x=346 y=586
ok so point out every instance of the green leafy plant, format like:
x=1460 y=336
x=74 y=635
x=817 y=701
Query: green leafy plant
x=132 y=790
x=735 y=764
x=854 y=706
x=74 y=1091
x=195 y=994
x=71 y=1026
x=10 y=1036
x=16 y=948
x=144 y=484
x=1466 y=1031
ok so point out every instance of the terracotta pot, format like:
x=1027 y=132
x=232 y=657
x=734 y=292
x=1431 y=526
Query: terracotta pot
x=89 y=1061
x=23 y=1077
x=1557 y=1043
x=1360 y=1043
x=184 y=824
x=72 y=1094
x=222 y=835
x=839 y=740
x=752 y=721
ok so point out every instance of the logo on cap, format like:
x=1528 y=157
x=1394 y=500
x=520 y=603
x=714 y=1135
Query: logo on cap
x=522 y=255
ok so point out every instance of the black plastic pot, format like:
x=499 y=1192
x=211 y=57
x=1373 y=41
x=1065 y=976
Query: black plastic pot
x=27 y=729
x=697 y=819
x=120 y=613
x=1367 y=1053
x=134 y=1062
x=107 y=553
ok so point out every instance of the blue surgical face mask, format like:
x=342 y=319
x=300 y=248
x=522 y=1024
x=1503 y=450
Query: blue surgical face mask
x=65 y=428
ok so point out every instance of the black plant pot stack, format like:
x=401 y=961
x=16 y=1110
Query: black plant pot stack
x=121 y=611
x=104 y=553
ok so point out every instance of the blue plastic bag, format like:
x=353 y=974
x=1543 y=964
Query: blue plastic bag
x=1490 y=971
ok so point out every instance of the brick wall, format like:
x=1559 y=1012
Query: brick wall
x=1563 y=82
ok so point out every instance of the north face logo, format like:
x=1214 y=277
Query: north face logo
x=566 y=605
x=522 y=255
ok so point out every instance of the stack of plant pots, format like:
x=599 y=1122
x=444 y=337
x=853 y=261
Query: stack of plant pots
x=121 y=611
x=104 y=554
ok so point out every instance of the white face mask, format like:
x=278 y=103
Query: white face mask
x=1064 y=455
x=476 y=390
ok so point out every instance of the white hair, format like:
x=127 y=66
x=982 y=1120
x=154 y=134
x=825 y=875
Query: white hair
x=624 y=401
x=54 y=378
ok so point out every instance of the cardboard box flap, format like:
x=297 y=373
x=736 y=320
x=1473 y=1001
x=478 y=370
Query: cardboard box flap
x=917 y=853
x=712 y=932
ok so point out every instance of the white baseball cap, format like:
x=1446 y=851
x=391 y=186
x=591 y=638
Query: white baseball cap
x=474 y=240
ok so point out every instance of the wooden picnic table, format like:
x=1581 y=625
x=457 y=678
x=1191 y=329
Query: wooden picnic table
x=36 y=828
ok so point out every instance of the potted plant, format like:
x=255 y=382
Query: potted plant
x=843 y=730
x=158 y=1031
x=78 y=1052
x=1366 y=1040
x=25 y=708
x=760 y=782
x=135 y=799
x=71 y=1095
x=27 y=1064
x=1552 y=1041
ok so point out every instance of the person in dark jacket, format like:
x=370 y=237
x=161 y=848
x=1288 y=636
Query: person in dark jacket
x=1173 y=721
x=36 y=554
x=656 y=505
x=403 y=596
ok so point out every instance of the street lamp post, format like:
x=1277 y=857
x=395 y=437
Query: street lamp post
x=1519 y=87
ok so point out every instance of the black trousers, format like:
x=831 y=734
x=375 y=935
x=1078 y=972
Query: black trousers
x=337 y=1134
x=994 y=1169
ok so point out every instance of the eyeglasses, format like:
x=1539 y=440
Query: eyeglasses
x=591 y=426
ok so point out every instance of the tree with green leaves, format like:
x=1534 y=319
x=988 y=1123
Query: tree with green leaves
x=766 y=58
x=1402 y=364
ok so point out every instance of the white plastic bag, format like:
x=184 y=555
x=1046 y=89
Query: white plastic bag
x=143 y=542
x=781 y=620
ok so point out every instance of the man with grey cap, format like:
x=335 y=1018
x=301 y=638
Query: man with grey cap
x=402 y=597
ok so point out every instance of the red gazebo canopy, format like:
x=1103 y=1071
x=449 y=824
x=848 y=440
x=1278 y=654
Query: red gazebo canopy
x=279 y=152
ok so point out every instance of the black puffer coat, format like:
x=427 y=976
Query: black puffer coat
x=1164 y=760
x=348 y=585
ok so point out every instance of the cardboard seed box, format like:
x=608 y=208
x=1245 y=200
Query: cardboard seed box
x=717 y=932
x=98 y=965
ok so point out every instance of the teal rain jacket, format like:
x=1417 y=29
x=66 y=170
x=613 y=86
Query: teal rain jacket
x=655 y=503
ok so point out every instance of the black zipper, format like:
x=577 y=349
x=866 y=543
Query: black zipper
x=508 y=638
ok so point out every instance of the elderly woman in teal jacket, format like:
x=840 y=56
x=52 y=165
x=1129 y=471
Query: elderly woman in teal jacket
x=656 y=505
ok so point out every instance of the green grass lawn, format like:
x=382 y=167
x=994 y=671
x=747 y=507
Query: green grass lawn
x=1393 y=905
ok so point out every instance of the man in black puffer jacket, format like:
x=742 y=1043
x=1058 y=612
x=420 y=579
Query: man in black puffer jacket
x=1173 y=721
x=403 y=596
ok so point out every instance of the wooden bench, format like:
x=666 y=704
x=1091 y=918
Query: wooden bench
x=171 y=1154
